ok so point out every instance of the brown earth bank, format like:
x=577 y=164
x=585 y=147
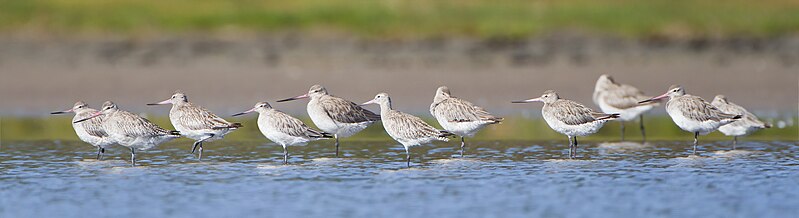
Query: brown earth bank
x=229 y=74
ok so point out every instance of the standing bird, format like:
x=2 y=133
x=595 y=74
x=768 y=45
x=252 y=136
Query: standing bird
x=131 y=130
x=335 y=115
x=613 y=97
x=459 y=116
x=745 y=126
x=90 y=132
x=692 y=113
x=196 y=122
x=570 y=118
x=406 y=129
x=283 y=129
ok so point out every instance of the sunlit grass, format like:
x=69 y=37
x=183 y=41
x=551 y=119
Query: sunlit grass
x=407 y=18
x=513 y=128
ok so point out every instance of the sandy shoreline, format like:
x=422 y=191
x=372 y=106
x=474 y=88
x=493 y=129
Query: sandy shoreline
x=228 y=75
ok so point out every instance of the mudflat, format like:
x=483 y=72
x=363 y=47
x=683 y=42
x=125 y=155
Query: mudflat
x=228 y=74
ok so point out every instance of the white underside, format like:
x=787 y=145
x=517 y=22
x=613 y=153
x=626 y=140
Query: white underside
x=737 y=130
x=624 y=114
x=141 y=143
x=328 y=125
x=574 y=130
x=102 y=142
x=284 y=139
x=414 y=142
x=690 y=125
x=279 y=137
x=463 y=129
x=202 y=133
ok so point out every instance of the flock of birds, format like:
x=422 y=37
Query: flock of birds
x=337 y=118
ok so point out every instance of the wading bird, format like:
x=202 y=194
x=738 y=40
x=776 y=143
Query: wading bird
x=570 y=118
x=692 y=113
x=459 y=116
x=335 y=115
x=92 y=131
x=622 y=99
x=406 y=129
x=195 y=122
x=283 y=129
x=131 y=130
x=744 y=126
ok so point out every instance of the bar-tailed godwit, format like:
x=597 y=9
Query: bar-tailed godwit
x=459 y=116
x=92 y=131
x=692 y=113
x=744 y=126
x=622 y=99
x=570 y=118
x=406 y=129
x=195 y=122
x=131 y=130
x=335 y=115
x=283 y=129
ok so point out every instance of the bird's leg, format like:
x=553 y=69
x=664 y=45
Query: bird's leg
x=696 y=141
x=643 y=133
x=407 y=157
x=622 y=130
x=285 y=155
x=102 y=153
x=734 y=142
x=463 y=144
x=199 y=143
x=570 y=147
x=336 y=136
x=132 y=157
x=194 y=147
x=575 y=147
x=99 y=151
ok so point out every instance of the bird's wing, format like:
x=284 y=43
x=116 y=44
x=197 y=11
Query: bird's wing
x=572 y=113
x=624 y=97
x=409 y=127
x=291 y=126
x=344 y=111
x=732 y=108
x=199 y=118
x=698 y=109
x=93 y=127
x=134 y=125
x=458 y=110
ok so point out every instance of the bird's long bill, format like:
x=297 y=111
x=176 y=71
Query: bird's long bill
x=369 y=102
x=294 y=98
x=161 y=103
x=96 y=114
x=654 y=98
x=528 y=100
x=62 y=112
x=243 y=113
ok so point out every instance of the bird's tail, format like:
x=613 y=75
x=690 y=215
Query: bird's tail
x=319 y=134
x=326 y=135
x=496 y=120
x=174 y=133
x=231 y=126
x=444 y=135
x=606 y=116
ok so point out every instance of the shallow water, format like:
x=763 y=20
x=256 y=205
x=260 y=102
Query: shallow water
x=495 y=179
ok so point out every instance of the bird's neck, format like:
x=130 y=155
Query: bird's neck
x=385 y=108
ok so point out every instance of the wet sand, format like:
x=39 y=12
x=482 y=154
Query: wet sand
x=230 y=74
